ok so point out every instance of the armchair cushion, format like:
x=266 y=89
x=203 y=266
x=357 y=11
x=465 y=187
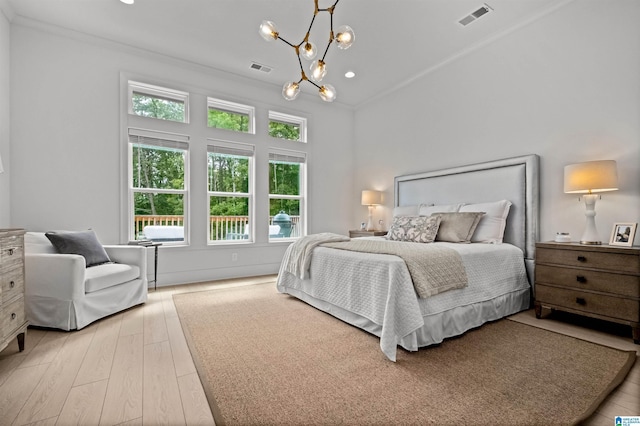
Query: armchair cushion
x=84 y=243
x=108 y=275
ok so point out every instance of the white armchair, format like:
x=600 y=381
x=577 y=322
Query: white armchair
x=61 y=292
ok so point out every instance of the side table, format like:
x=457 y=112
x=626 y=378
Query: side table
x=362 y=233
x=155 y=263
x=597 y=281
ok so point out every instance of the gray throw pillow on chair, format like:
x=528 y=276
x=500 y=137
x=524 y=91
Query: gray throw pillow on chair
x=84 y=243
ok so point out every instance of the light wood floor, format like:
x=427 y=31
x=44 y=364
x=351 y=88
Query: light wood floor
x=135 y=368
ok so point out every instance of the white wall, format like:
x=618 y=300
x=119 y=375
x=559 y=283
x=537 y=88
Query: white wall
x=565 y=87
x=66 y=141
x=5 y=149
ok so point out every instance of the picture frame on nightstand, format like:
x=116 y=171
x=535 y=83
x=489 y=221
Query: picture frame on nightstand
x=623 y=234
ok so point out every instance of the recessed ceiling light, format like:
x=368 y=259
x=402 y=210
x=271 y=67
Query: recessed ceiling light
x=350 y=74
x=127 y=1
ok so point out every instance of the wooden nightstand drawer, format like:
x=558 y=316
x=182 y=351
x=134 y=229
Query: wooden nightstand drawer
x=592 y=303
x=358 y=233
x=586 y=279
x=618 y=262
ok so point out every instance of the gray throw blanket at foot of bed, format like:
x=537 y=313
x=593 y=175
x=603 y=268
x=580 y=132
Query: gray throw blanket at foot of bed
x=433 y=268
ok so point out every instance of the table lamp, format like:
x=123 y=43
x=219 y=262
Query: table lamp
x=371 y=199
x=589 y=178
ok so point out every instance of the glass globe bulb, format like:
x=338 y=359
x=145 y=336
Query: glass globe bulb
x=290 y=90
x=327 y=93
x=308 y=51
x=268 y=31
x=345 y=37
x=318 y=70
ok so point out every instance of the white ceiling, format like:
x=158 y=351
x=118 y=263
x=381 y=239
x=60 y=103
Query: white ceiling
x=395 y=40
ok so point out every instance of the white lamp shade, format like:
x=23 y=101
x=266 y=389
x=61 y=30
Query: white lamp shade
x=371 y=198
x=592 y=176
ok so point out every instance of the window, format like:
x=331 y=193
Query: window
x=230 y=116
x=287 y=185
x=158 y=164
x=285 y=126
x=230 y=189
x=146 y=100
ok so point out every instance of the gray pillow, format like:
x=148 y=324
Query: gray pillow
x=457 y=227
x=84 y=243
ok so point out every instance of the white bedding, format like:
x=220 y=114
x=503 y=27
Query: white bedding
x=375 y=292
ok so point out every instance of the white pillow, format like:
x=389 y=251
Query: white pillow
x=426 y=210
x=493 y=223
x=406 y=210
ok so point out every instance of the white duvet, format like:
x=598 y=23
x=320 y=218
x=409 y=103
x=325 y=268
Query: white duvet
x=378 y=287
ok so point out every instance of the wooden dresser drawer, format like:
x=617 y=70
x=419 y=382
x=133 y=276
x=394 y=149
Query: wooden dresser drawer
x=617 y=262
x=13 y=316
x=12 y=284
x=608 y=306
x=11 y=252
x=586 y=279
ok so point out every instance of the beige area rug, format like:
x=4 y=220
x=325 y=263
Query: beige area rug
x=267 y=358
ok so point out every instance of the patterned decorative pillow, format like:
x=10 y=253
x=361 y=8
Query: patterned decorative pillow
x=417 y=229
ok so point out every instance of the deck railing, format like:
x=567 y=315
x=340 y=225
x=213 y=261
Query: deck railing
x=219 y=226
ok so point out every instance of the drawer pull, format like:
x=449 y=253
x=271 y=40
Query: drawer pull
x=13 y=315
x=10 y=252
x=581 y=301
x=582 y=259
x=12 y=284
x=581 y=279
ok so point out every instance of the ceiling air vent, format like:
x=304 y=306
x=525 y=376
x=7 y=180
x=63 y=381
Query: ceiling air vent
x=475 y=15
x=260 y=67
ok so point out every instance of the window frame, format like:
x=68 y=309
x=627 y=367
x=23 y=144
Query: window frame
x=281 y=117
x=239 y=147
x=301 y=158
x=157 y=92
x=232 y=107
x=169 y=138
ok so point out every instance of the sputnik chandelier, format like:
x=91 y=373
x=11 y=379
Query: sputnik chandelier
x=344 y=38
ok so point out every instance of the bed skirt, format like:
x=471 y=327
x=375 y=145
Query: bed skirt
x=437 y=327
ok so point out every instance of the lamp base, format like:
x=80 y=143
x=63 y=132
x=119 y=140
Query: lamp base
x=370 y=225
x=590 y=236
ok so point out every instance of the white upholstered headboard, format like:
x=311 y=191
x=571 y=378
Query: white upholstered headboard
x=514 y=179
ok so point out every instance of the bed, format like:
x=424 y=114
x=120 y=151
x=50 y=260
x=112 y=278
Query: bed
x=375 y=292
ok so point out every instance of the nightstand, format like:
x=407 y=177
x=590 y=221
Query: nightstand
x=596 y=281
x=358 y=233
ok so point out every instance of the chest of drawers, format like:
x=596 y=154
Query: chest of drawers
x=13 y=323
x=596 y=281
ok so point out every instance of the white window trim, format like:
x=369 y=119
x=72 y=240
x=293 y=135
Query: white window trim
x=250 y=194
x=159 y=92
x=291 y=119
x=234 y=107
x=302 y=160
x=152 y=134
